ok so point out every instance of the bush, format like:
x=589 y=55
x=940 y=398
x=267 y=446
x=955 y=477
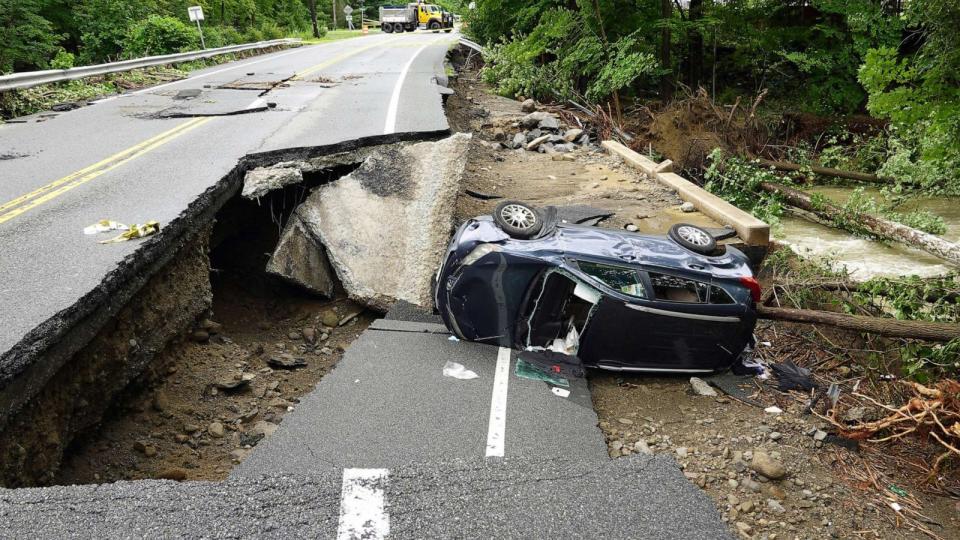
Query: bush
x=272 y=31
x=160 y=35
x=252 y=35
x=231 y=36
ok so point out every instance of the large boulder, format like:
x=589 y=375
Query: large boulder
x=302 y=260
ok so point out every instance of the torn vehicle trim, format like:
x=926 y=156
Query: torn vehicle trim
x=681 y=314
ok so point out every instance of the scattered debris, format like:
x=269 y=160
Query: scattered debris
x=701 y=387
x=286 y=361
x=482 y=196
x=260 y=181
x=105 y=225
x=135 y=231
x=458 y=371
x=562 y=392
x=773 y=409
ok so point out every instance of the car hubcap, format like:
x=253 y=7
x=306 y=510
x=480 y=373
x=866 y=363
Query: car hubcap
x=693 y=235
x=518 y=216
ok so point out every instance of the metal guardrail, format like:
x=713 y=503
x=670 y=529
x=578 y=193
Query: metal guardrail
x=16 y=81
x=473 y=45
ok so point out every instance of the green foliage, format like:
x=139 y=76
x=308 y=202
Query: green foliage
x=157 y=35
x=564 y=57
x=915 y=299
x=26 y=38
x=738 y=181
x=919 y=91
x=103 y=26
x=63 y=60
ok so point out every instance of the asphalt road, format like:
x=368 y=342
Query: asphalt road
x=635 y=497
x=137 y=158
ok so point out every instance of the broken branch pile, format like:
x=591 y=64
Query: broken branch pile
x=930 y=412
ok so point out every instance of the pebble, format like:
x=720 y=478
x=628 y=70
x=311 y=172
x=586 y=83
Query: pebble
x=528 y=106
x=293 y=336
x=215 y=429
x=775 y=506
x=733 y=483
x=767 y=466
x=191 y=428
x=625 y=421
x=330 y=318
x=819 y=435
x=681 y=452
x=775 y=436
x=631 y=227
x=641 y=447
x=200 y=336
x=688 y=207
x=701 y=387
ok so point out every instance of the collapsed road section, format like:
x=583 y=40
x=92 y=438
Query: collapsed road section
x=375 y=212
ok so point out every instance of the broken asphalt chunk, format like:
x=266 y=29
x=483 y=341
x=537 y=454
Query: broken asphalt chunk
x=286 y=361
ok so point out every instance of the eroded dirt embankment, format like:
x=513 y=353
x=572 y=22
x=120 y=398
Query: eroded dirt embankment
x=141 y=379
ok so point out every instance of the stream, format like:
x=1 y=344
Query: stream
x=864 y=258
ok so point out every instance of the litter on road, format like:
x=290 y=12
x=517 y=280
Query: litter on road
x=104 y=225
x=526 y=370
x=458 y=371
x=135 y=231
x=562 y=392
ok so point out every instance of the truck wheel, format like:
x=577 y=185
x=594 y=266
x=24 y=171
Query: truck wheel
x=434 y=25
x=387 y=28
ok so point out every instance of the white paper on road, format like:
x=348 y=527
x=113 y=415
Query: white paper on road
x=562 y=392
x=104 y=225
x=458 y=371
x=363 y=509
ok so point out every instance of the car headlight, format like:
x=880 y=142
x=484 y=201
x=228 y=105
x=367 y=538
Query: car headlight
x=478 y=253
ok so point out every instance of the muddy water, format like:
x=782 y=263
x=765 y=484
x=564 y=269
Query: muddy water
x=864 y=258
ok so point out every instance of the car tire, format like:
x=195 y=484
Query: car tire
x=694 y=238
x=434 y=25
x=519 y=220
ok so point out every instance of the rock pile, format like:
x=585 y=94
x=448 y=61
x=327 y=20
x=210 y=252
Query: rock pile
x=541 y=132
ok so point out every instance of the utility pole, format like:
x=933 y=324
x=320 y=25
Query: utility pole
x=334 y=4
x=666 y=85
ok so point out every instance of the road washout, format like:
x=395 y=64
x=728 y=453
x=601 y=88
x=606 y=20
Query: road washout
x=724 y=446
x=203 y=360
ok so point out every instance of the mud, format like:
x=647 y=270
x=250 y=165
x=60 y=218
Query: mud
x=79 y=394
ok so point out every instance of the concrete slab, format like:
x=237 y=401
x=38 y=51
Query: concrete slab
x=386 y=224
x=752 y=230
x=388 y=403
x=536 y=497
x=301 y=260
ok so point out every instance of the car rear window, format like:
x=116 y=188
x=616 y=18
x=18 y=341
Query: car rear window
x=720 y=296
x=621 y=279
x=678 y=289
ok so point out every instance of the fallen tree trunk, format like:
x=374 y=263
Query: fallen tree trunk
x=827 y=171
x=880 y=227
x=853 y=287
x=930 y=331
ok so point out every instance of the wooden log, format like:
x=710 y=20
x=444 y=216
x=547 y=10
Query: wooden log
x=929 y=331
x=880 y=227
x=827 y=171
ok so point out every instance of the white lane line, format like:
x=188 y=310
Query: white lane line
x=363 y=512
x=392 y=109
x=498 y=405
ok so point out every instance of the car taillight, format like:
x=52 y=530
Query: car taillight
x=754 y=286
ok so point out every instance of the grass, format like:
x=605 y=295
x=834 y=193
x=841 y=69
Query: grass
x=333 y=35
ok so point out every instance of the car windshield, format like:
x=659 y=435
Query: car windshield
x=618 y=278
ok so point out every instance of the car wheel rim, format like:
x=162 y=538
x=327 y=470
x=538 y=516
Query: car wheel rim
x=694 y=235
x=518 y=216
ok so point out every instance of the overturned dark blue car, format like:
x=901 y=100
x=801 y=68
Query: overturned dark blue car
x=617 y=300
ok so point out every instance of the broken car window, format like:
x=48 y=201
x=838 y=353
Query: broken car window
x=624 y=280
x=719 y=296
x=677 y=289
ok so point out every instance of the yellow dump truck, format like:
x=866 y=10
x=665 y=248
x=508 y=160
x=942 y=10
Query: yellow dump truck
x=413 y=16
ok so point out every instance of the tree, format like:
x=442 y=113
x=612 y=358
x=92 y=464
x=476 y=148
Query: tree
x=26 y=39
x=313 y=18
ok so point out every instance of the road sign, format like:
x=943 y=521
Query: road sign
x=196 y=15
x=347 y=10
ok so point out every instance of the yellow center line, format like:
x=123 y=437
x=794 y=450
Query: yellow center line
x=79 y=181
x=313 y=69
x=102 y=163
x=45 y=193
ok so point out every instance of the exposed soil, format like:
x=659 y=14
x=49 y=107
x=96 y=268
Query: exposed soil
x=714 y=439
x=213 y=394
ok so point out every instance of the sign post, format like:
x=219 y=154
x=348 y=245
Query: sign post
x=347 y=10
x=196 y=14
